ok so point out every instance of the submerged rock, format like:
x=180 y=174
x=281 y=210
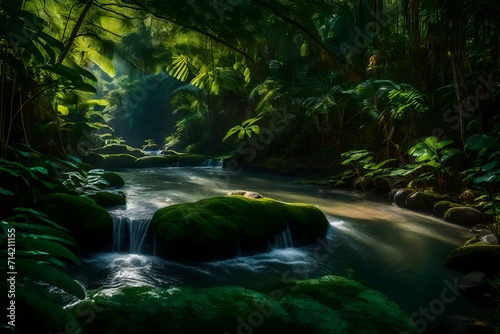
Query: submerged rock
x=330 y=304
x=220 y=227
x=90 y=224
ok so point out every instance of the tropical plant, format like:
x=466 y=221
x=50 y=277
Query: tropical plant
x=363 y=167
x=434 y=155
x=247 y=128
x=35 y=247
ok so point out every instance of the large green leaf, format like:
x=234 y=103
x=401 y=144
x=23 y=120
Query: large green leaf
x=38 y=270
x=53 y=248
x=47 y=312
x=478 y=142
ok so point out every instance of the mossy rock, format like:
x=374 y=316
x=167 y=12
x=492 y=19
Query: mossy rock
x=152 y=161
x=419 y=201
x=217 y=228
x=401 y=196
x=363 y=310
x=119 y=149
x=483 y=258
x=441 y=207
x=327 y=305
x=114 y=180
x=464 y=216
x=108 y=199
x=90 y=224
x=117 y=161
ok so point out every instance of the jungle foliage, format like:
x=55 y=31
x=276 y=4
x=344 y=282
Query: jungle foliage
x=374 y=92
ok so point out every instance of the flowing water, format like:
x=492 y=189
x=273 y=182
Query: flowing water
x=395 y=251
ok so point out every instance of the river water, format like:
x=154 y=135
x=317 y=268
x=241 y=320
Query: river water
x=397 y=252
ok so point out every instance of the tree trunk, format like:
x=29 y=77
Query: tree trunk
x=74 y=32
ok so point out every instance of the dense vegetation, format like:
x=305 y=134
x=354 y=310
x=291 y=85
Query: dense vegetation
x=377 y=94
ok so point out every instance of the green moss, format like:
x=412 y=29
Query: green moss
x=464 y=216
x=115 y=161
x=107 y=199
x=327 y=305
x=113 y=179
x=90 y=224
x=152 y=161
x=220 y=226
x=481 y=258
x=363 y=309
x=441 y=207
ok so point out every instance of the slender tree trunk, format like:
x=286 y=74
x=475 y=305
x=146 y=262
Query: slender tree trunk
x=74 y=32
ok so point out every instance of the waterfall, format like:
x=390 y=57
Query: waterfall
x=213 y=163
x=283 y=240
x=129 y=234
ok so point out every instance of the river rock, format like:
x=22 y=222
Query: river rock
x=464 y=216
x=329 y=304
x=401 y=195
x=114 y=180
x=489 y=239
x=108 y=199
x=458 y=324
x=244 y=193
x=475 y=257
x=220 y=227
x=90 y=224
x=441 y=207
x=392 y=194
x=419 y=201
x=471 y=280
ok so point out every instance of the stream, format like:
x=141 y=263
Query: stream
x=395 y=251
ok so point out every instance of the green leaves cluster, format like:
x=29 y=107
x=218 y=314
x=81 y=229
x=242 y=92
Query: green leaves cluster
x=247 y=128
x=38 y=251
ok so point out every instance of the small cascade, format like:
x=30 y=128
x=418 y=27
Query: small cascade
x=211 y=163
x=129 y=234
x=283 y=240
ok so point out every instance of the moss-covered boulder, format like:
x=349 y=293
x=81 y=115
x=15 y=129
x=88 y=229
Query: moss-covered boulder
x=476 y=257
x=442 y=206
x=108 y=199
x=117 y=161
x=114 y=180
x=464 y=216
x=152 y=161
x=90 y=224
x=362 y=309
x=327 y=305
x=217 y=228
